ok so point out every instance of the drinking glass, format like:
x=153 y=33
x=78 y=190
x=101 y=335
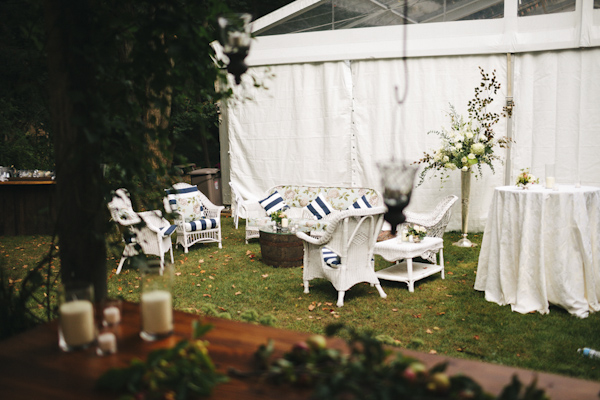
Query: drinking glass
x=156 y=301
x=76 y=328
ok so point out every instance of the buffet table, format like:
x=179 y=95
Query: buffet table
x=27 y=206
x=542 y=246
x=33 y=367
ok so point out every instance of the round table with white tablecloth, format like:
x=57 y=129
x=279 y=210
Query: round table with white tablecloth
x=542 y=246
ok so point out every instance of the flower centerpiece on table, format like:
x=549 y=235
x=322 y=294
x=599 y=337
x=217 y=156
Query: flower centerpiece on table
x=468 y=142
x=277 y=216
x=418 y=232
x=524 y=179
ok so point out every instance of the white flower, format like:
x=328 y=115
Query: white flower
x=465 y=169
x=450 y=166
x=469 y=135
x=459 y=145
x=463 y=160
x=478 y=148
x=446 y=159
x=471 y=156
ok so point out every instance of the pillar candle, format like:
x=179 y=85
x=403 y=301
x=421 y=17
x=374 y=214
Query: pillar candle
x=107 y=342
x=112 y=315
x=77 y=322
x=550 y=182
x=284 y=222
x=157 y=312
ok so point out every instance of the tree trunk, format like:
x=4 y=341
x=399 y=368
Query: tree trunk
x=81 y=222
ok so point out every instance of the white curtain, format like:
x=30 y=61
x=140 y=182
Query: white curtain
x=330 y=123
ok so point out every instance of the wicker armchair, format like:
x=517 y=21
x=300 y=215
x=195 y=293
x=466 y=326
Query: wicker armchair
x=435 y=221
x=147 y=230
x=238 y=205
x=198 y=220
x=351 y=235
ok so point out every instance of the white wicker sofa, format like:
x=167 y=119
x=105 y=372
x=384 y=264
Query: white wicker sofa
x=297 y=197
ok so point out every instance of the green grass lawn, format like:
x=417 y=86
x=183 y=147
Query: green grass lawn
x=444 y=316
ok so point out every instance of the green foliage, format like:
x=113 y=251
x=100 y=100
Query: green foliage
x=367 y=372
x=183 y=371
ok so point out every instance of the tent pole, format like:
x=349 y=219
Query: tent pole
x=509 y=109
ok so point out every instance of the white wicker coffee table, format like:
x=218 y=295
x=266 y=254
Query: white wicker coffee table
x=409 y=271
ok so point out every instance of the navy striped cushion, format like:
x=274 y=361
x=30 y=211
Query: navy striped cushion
x=320 y=207
x=330 y=258
x=273 y=202
x=361 y=203
x=201 y=225
x=167 y=230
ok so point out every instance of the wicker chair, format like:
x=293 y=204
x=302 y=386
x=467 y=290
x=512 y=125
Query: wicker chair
x=198 y=220
x=147 y=230
x=435 y=222
x=238 y=205
x=351 y=235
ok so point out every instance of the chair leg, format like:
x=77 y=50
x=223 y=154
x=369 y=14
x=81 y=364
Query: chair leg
x=172 y=259
x=305 y=286
x=380 y=290
x=121 y=265
x=340 y=301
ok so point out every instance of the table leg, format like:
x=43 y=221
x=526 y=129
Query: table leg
x=409 y=270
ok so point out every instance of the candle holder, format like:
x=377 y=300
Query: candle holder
x=550 y=176
x=76 y=328
x=398 y=180
x=235 y=38
x=156 y=304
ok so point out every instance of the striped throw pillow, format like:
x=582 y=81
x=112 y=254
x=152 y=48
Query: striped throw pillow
x=319 y=207
x=361 y=203
x=273 y=202
x=330 y=258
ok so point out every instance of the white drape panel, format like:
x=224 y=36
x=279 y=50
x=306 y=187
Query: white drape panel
x=330 y=123
x=295 y=131
x=557 y=114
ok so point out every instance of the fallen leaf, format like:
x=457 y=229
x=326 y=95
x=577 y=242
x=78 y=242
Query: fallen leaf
x=417 y=315
x=233 y=286
x=177 y=273
x=206 y=295
x=211 y=277
x=435 y=328
x=432 y=351
x=265 y=275
x=429 y=331
x=450 y=273
x=248 y=252
x=394 y=309
x=476 y=337
x=222 y=309
x=441 y=313
x=448 y=295
x=298 y=319
x=311 y=307
x=237 y=293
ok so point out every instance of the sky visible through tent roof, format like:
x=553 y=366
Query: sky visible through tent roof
x=347 y=14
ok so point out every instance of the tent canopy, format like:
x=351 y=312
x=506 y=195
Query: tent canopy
x=328 y=108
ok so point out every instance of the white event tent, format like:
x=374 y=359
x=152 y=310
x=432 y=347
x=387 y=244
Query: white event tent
x=331 y=72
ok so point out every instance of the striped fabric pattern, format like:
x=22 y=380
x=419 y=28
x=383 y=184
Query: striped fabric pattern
x=330 y=258
x=361 y=203
x=167 y=230
x=273 y=202
x=320 y=207
x=201 y=225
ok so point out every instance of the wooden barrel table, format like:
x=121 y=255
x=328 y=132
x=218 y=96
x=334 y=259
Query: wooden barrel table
x=281 y=249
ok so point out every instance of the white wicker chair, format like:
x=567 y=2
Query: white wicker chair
x=351 y=235
x=198 y=220
x=148 y=229
x=435 y=221
x=238 y=205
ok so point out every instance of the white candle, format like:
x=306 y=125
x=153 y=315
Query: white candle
x=112 y=315
x=284 y=222
x=157 y=312
x=77 y=322
x=550 y=182
x=107 y=342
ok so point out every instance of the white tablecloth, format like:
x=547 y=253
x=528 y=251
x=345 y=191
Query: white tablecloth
x=542 y=246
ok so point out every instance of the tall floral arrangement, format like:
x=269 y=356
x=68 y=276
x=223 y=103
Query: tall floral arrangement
x=468 y=142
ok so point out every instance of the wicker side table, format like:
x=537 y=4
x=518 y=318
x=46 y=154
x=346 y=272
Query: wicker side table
x=408 y=271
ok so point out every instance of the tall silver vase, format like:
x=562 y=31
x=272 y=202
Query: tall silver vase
x=465 y=192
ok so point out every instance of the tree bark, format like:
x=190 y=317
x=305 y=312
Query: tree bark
x=82 y=219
